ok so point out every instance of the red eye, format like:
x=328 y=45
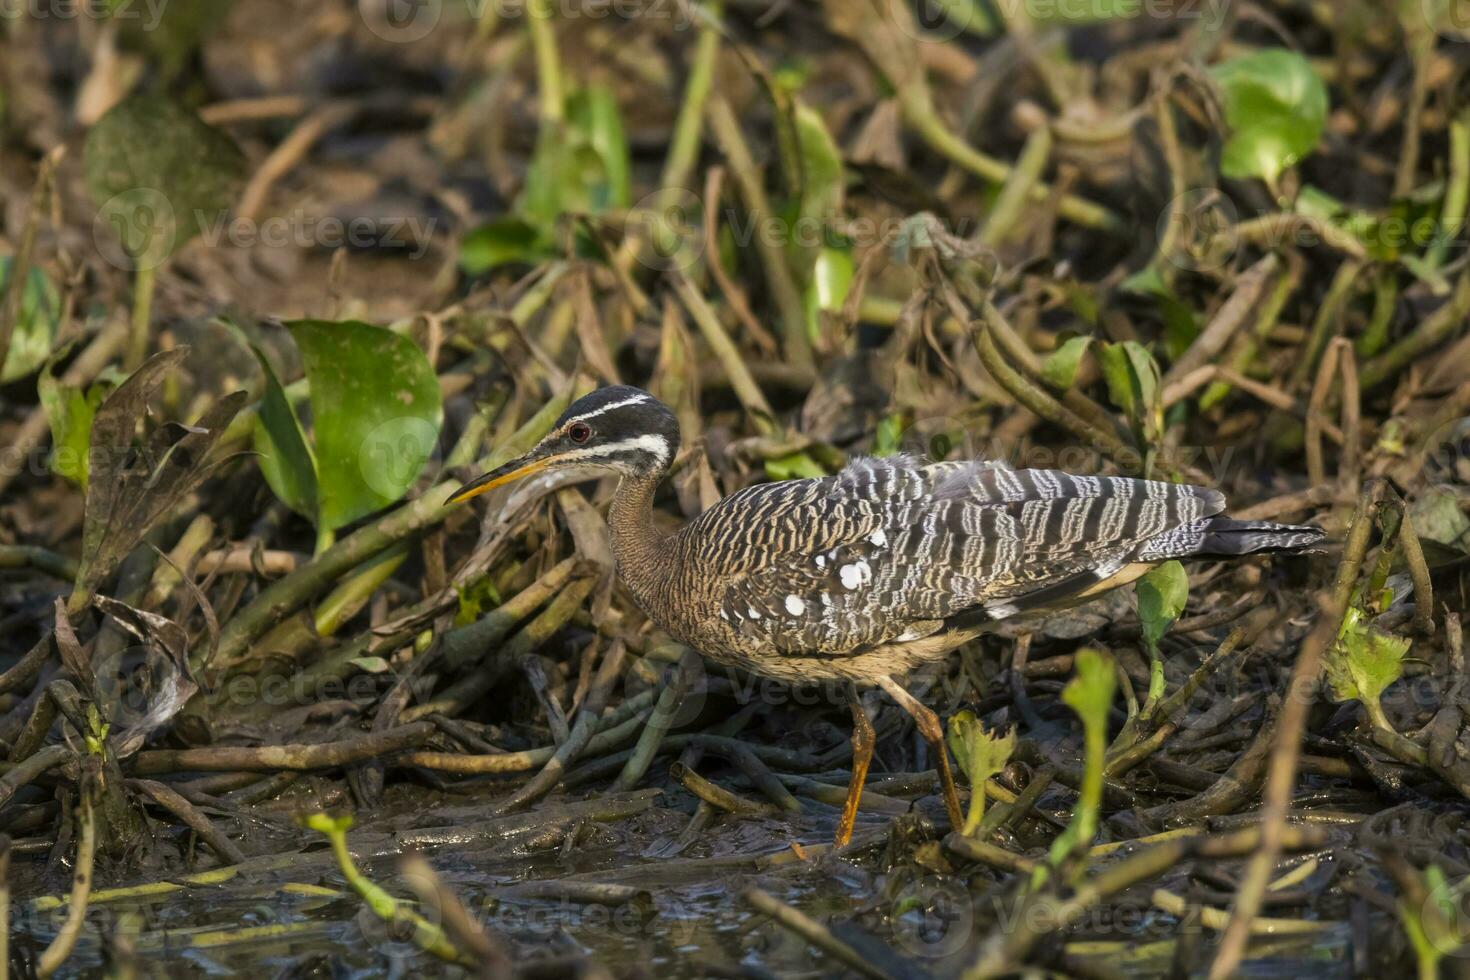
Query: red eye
x=579 y=432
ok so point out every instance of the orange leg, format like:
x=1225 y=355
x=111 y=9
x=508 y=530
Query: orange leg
x=932 y=731
x=863 y=740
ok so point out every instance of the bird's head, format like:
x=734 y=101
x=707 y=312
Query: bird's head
x=618 y=428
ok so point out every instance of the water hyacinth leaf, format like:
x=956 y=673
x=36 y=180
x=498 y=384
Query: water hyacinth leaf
x=980 y=755
x=1181 y=326
x=1118 y=374
x=888 y=438
x=1315 y=203
x=597 y=123
x=1439 y=515
x=1161 y=596
x=823 y=181
x=502 y=242
x=285 y=458
x=1090 y=691
x=1276 y=108
x=371 y=665
x=830 y=282
x=69 y=412
x=1060 y=367
x=1133 y=381
x=34 y=332
x=159 y=175
x=1090 y=694
x=376 y=412
x=579 y=166
x=794 y=466
x=1362 y=664
x=550 y=189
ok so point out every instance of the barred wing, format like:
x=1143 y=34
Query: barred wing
x=889 y=549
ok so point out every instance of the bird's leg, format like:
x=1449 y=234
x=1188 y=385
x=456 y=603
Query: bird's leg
x=932 y=731
x=863 y=741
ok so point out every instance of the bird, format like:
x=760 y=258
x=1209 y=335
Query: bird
x=863 y=576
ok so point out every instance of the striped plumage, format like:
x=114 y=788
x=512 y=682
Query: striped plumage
x=893 y=561
x=889 y=564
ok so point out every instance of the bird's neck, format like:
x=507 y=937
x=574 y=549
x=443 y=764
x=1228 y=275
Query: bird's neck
x=641 y=551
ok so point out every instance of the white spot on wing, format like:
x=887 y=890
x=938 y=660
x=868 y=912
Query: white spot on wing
x=1001 y=610
x=753 y=613
x=878 y=538
x=794 y=605
x=821 y=561
x=856 y=574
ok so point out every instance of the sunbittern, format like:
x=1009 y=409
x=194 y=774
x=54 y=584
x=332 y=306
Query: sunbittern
x=890 y=564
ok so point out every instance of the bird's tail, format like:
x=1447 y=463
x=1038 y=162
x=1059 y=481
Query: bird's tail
x=1227 y=538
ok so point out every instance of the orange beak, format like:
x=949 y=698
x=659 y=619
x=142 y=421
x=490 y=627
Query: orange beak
x=501 y=475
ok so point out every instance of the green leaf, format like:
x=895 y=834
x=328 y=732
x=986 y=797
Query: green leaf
x=1090 y=691
x=794 y=466
x=371 y=665
x=159 y=175
x=502 y=242
x=1363 y=663
x=1181 y=326
x=550 y=189
x=376 y=413
x=823 y=181
x=580 y=166
x=1090 y=694
x=35 y=332
x=1060 y=367
x=598 y=124
x=1161 y=596
x=474 y=600
x=1439 y=517
x=980 y=755
x=1133 y=381
x=69 y=412
x=1118 y=373
x=888 y=439
x=827 y=291
x=285 y=459
x=1276 y=108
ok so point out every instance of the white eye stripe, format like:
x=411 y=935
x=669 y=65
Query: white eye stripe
x=655 y=445
x=632 y=400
